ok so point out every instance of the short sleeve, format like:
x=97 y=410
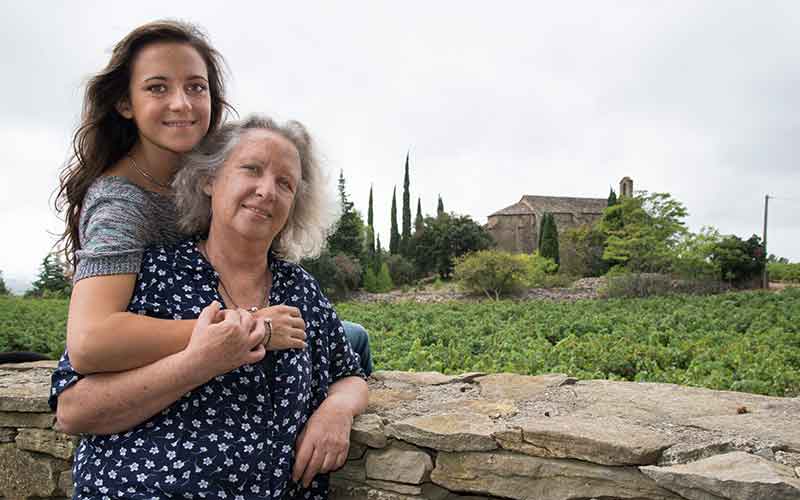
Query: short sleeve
x=112 y=230
x=63 y=377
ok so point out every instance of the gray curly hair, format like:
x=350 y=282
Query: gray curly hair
x=313 y=211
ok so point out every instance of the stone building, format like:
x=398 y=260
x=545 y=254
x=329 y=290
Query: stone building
x=516 y=228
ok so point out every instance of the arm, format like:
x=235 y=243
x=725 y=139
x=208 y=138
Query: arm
x=323 y=444
x=102 y=337
x=115 y=402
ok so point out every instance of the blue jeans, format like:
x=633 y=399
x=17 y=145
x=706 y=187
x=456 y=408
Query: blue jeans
x=359 y=341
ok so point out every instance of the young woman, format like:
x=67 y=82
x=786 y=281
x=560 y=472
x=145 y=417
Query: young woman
x=160 y=94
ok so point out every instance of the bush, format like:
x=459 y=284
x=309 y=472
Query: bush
x=337 y=275
x=383 y=282
x=582 y=252
x=496 y=273
x=620 y=284
x=401 y=270
x=348 y=274
x=789 y=273
x=740 y=262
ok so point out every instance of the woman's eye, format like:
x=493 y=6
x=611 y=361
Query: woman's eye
x=157 y=89
x=198 y=88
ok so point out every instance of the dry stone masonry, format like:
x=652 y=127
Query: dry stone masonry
x=477 y=436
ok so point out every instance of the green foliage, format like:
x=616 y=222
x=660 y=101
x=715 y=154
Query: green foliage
x=338 y=275
x=370 y=231
x=52 y=281
x=582 y=252
x=612 y=197
x=440 y=207
x=419 y=222
x=642 y=231
x=743 y=341
x=548 y=241
x=370 y=280
x=784 y=271
x=38 y=325
x=496 y=273
x=383 y=282
x=739 y=261
x=445 y=238
x=693 y=252
x=3 y=289
x=348 y=238
x=401 y=270
x=405 y=240
x=394 y=235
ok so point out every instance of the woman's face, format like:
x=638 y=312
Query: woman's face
x=169 y=100
x=254 y=189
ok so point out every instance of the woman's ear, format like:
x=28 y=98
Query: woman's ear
x=124 y=108
x=208 y=185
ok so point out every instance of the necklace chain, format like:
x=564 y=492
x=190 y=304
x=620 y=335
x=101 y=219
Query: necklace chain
x=252 y=309
x=147 y=175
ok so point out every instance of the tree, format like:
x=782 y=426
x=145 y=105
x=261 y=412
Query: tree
x=394 y=235
x=739 y=260
x=348 y=238
x=548 y=245
x=446 y=237
x=370 y=231
x=612 y=198
x=3 y=289
x=52 y=280
x=440 y=207
x=405 y=240
x=419 y=222
x=383 y=282
x=643 y=231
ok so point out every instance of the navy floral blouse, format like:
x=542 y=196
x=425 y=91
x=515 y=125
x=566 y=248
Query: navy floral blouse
x=233 y=437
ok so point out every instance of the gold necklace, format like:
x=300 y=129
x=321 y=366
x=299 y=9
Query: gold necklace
x=147 y=175
x=264 y=300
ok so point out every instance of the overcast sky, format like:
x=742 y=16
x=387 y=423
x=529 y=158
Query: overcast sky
x=494 y=100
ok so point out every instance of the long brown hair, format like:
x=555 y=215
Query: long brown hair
x=104 y=136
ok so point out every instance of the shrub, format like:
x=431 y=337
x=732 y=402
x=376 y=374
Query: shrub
x=740 y=262
x=348 y=274
x=582 y=252
x=401 y=270
x=496 y=273
x=384 y=280
x=779 y=271
x=337 y=275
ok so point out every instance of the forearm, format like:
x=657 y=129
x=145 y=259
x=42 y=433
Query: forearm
x=349 y=395
x=122 y=341
x=107 y=403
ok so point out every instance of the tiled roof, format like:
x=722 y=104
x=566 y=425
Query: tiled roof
x=530 y=204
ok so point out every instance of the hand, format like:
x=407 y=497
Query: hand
x=223 y=340
x=323 y=443
x=288 y=327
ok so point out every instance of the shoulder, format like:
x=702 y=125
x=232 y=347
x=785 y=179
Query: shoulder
x=181 y=255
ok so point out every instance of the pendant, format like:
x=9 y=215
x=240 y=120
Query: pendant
x=252 y=309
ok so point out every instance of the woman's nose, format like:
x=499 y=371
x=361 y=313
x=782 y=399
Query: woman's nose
x=266 y=188
x=180 y=101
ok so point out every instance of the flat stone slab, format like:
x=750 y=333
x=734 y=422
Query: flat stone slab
x=524 y=477
x=401 y=464
x=607 y=441
x=25 y=390
x=447 y=432
x=492 y=409
x=509 y=386
x=21 y=419
x=784 y=430
x=413 y=378
x=734 y=476
x=383 y=399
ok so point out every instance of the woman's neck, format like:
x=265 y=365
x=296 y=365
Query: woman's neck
x=244 y=271
x=158 y=163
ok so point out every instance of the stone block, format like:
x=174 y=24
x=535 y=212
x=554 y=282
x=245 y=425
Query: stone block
x=26 y=475
x=25 y=390
x=606 y=441
x=25 y=419
x=356 y=451
x=368 y=429
x=447 y=432
x=53 y=443
x=399 y=465
x=509 y=386
x=7 y=435
x=352 y=470
x=734 y=476
x=523 y=477
x=66 y=484
x=403 y=489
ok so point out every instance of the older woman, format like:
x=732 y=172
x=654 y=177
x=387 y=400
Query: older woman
x=220 y=419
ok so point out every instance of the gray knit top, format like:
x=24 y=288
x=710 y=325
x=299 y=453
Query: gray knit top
x=118 y=220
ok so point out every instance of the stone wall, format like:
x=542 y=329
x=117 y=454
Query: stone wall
x=477 y=436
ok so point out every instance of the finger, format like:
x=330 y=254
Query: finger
x=256 y=355
x=297 y=334
x=304 y=451
x=246 y=321
x=328 y=463
x=258 y=334
x=313 y=467
x=207 y=315
x=341 y=458
x=297 y=323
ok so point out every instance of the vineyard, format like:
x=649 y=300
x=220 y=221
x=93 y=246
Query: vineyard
x=747 y=341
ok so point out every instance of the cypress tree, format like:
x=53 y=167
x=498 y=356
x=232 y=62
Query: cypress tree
x=348 y=238
x=542 y=223
x=394 y=235
x=440 y=207
x=419 y=222
x=549 y=243
x=612 y=198
x=370 y=229
x=406 y=235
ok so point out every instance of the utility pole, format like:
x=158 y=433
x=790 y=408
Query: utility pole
x=765 y=277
